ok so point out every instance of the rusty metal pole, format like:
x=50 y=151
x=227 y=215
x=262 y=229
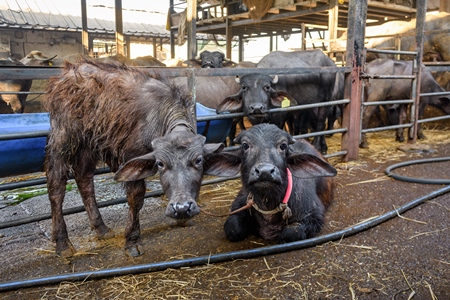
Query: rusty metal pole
x=351 y=119
x=421 y=10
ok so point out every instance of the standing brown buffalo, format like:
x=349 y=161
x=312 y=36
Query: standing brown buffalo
x=380 y=89
x=139 y=126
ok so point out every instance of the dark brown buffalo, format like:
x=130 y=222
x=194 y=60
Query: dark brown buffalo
x=211 y=90
x=17 y=102
x=267 y=154
x=259 y=93
x=398 y=89
x=210 y=59
x=136 y=124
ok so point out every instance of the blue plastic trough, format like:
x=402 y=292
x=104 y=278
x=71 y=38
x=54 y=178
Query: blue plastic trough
x=218 y=129
x=26 y=155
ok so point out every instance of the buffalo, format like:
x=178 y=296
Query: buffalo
x=210 y=91
x=259 y=93
x=17 y=102
x=138 y=125
x=210 y=59
x=380 y=89
x=288 y=184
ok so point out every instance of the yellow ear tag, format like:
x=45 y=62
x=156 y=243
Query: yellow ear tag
x=285 y=103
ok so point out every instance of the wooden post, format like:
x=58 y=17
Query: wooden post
x=229 y=38
x=84 y=32
x=241 y=48
x=172 y=34
x=303 y=27
x=191 y=22
x=421 y=10
x=119 y=28
x=128 y=46
x=351 y=118
x=155 y=48
x=332 y=24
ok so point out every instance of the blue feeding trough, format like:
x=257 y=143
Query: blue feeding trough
x=26 y=154
x=22 y=155
x=218 y=130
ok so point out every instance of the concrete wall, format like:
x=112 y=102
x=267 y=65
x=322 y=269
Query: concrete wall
x=23 y=42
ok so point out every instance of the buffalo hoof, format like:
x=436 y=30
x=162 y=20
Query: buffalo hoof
x=66 y=252
x=421 y=136
x=134 y=250
x=105 y=235
x=364 y=144
x=400 y=139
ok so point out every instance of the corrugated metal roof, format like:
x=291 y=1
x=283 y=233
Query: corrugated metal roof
x=44 y=15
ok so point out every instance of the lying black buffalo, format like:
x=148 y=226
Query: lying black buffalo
x=136 y=124
x=289 y=182
x=398 y=89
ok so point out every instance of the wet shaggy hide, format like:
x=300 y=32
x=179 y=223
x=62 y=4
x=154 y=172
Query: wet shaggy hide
x=127 y=119
x=98 y=105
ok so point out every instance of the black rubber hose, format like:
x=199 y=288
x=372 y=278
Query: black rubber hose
x=221 y=257
x=389 y=169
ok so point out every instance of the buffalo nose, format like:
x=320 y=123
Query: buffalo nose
x=256 y=109
x=184 y=210
x=265 y=170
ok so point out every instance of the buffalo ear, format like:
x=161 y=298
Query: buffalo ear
x=304 y=165
x=231 y=103
x=277 y=97
x=222 y=164
x=137 y=168
x=212 y=148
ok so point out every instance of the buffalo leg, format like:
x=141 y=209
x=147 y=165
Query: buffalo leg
x=56 y=184
x=368 y=112
x=84 y=177
x=305 y=229
x=135 y=196
x=238 y=226
x=320 y=142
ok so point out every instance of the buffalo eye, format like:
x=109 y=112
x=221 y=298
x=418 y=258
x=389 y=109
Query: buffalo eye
x=245 y=146
x=266 y=88
x=244 y=88
x=159 y=164
x=199 y=160
x=283 y=146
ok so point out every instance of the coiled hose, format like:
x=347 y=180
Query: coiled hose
x=242 y=254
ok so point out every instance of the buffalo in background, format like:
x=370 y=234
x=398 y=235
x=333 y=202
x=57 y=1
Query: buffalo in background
x=259 y=93
x=17 y=102
x=211 y=90
x=397 y=89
